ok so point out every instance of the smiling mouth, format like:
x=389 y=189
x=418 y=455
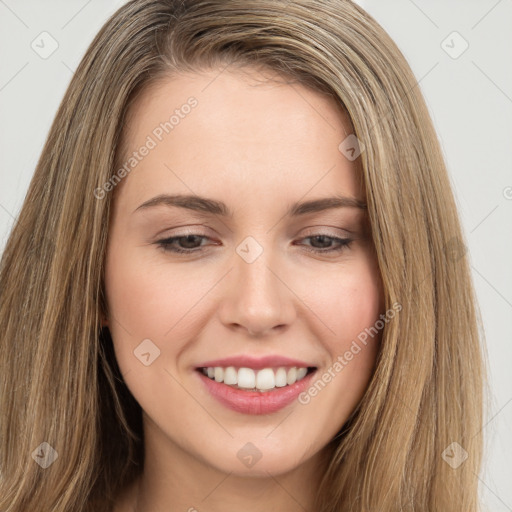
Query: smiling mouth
x=263 y=380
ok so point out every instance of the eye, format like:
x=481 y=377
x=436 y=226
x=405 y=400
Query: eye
x=326 y=241
x=189 y=243
x=192 y=243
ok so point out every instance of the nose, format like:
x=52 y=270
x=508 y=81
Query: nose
x=256 y=298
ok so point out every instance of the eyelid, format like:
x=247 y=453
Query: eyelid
x=324 y=230
x=341 y=244
x=190 y=229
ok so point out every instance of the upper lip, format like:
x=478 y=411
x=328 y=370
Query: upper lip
x=246 y=361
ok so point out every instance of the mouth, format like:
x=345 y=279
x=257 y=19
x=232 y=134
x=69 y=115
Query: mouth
x=254 y=391
x=262 y=380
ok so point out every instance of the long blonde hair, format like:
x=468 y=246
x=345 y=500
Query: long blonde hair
x=59 y=380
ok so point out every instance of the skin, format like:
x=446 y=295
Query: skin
x=258 y=145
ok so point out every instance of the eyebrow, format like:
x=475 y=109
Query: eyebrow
x=214 y=207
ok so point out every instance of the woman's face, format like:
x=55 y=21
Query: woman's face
x=273 y=275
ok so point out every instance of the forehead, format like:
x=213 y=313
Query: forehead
x=248 y=129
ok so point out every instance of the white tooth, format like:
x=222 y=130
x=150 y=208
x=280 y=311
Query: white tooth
x=211 y=372
x=246 y=378
x=281 y=378
x=265 y=379
x=230 y=375
x=292 y=376
x=301 y=373
x=219 y=374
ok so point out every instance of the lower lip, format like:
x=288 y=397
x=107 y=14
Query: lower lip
x=255 y=402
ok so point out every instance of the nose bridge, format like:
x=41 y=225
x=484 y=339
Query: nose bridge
x=257 y=299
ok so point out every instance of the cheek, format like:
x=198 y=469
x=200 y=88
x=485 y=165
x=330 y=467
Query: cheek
x=138 y=307
x=349 y=301
x=151 y=300
x=144 y=296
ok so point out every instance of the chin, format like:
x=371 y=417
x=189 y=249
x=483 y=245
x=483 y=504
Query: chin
x=259 y=457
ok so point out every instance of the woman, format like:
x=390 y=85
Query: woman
x=238 y=277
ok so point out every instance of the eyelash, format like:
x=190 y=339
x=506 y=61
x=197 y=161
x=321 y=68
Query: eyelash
x=166 y=244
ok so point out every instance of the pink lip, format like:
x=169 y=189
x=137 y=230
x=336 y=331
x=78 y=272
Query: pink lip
x=255 y=402
x=256 y=363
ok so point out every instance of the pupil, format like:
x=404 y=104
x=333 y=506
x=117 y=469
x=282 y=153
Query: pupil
x=189 y=239
x=324 y=241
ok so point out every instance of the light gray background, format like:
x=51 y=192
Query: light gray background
x=469 y=97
